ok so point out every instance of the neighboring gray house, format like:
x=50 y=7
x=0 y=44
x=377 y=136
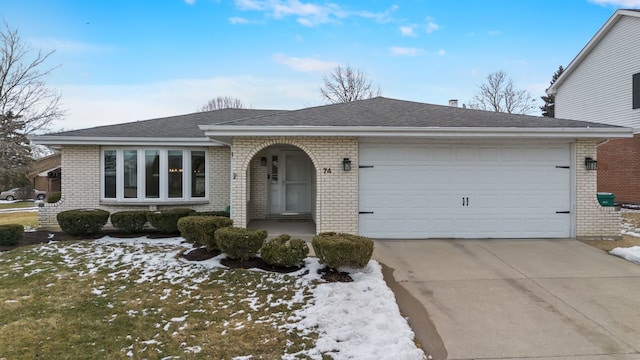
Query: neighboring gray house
x=381 y=167
x=602 y=84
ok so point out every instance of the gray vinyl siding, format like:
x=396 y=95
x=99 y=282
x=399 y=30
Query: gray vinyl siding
x=600 y=88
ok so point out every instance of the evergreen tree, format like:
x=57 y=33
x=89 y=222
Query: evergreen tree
x=549 y=107
x=15 y=153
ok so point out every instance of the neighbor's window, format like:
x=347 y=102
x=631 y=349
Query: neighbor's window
x=636 y=91
x=153 y=174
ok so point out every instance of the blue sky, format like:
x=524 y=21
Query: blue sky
x=127 y=60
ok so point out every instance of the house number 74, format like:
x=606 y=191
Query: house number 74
x=327 y=170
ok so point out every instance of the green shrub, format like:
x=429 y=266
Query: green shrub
x=11 y=234
x=211 y=213
x=129 y=221
x=54 y=197
x=240 y=243
x=284 y=251
x=338 y=250
x=82 y=221
x=199 y=230
x=166 y=221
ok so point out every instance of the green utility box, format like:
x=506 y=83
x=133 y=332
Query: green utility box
x=606 y=199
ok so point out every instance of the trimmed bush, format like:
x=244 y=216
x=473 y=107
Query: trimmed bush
x=284 y=251
x=11 y=234
x=82 y=221
x=336 y=250
x=54 y=197
x=211 y=213
x=129 y=221
x=240 y=243
x=199 y=230
x=166 y=221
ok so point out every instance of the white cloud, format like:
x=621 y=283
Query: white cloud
x=89 y=106
x=441 y=52
x=473 y=72
x=618 y=3
x=407 y=31
x=308 y=13
x=66 y=46
x=305 y=22
x=238 y=20
x=431 y=27
x=190 y=2
x=305 y=64
x=405 y=51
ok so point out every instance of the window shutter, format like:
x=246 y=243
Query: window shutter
x=636 y=91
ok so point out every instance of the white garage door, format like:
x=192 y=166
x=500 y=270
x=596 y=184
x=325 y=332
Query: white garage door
x=464 y=191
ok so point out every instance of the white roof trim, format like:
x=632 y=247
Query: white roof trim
x=595 y=40
x=83 y=140
x=414 y=132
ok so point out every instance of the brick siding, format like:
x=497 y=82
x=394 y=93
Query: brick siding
x=592 y=220
x=619 y=169
x=80 y=184
x=335 y=192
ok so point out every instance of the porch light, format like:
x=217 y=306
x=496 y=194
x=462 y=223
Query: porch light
x=346 y=164
x=590 y=164
x=263 y=161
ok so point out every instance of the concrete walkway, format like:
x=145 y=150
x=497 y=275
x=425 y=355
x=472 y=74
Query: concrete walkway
x=514 y=299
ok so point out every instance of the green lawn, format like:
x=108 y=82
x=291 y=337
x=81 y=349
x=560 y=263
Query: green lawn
x=17 y=205
x=28 y=219
x=86 y=299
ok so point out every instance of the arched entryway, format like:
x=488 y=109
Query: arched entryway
x=281 y=189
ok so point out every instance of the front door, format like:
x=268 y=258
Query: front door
x=289 y=180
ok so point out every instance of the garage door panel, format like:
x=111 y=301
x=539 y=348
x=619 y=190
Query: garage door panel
x=422 y=190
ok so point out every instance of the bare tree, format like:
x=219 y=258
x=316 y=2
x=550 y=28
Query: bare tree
x=222 y=102
x=499 y=94
x=347 y=84
x=27 y=105
x=23 y=91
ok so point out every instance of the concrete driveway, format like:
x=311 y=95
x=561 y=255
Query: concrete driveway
x=508 y=299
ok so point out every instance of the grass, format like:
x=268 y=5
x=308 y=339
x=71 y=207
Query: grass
x=17 y=205
x=83 y=300
x=29 y=219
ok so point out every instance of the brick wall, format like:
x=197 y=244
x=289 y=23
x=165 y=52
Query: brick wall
x=619 y=169
x=592 y=220
x=80 y=184
x=336 y=191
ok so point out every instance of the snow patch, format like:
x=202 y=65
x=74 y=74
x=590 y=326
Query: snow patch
x=629 y=253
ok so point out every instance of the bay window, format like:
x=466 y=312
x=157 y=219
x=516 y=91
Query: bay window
x=131 y=175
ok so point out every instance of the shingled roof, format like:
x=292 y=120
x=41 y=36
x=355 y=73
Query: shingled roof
x=385 y=112
x=382 y=116
x=183 y=126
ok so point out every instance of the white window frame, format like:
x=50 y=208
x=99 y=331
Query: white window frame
x=164 y=175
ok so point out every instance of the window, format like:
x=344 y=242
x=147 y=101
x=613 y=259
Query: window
x=153 y=174
x=130 y=173
x=636 y=91
x=198 y=183
x=110 y=166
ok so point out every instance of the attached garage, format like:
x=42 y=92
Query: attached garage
x=465 y=190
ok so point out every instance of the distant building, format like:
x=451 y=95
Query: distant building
x=46 y=173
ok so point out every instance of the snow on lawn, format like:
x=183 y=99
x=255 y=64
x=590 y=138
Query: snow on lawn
x=356 y=320
x=629 y=253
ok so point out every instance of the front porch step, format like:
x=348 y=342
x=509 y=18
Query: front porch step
x=292 y=217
